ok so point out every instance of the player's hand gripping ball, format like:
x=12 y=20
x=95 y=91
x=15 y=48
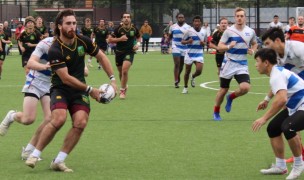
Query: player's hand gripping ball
x=108 y=93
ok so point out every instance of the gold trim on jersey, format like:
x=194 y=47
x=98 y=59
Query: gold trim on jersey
x=127 y=30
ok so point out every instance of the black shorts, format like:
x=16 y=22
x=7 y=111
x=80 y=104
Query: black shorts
x=225 y=83
x=25 y=60
x=71 y=99
x=219 y=59
x=103 y=46
x=2 y=56
x=121 y=57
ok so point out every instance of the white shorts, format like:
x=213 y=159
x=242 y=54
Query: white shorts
x=230 y=68
x=178 y=52
x=36 y=86
x=190 y=61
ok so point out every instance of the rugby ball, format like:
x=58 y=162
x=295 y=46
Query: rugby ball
x=108 y=93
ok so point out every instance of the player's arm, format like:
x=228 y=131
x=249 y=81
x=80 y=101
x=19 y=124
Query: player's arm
x=253 y=49
x=20 y=43
x=34 y=63
x=263 y=104
x=278 y=103
x=222 y=46
x=106 y=65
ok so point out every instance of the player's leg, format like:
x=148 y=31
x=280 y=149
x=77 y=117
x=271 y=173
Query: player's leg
x=181 y=66
x=224 y=87
x=186 y=76
x=176 y=61
x=45 y=103
x=244 y=87
x=1 y=64
x=124 y=78
x=277 y=143
x=290 y=127
x=198 y=71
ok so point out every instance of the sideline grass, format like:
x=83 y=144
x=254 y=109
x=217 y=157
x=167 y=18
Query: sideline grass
x=156 y=133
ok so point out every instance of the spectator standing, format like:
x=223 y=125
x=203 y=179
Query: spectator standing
x=19 y=30
x=145 y=32
x=276 y=22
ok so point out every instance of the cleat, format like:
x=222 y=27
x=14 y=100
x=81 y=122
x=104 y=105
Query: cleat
x=216 y=116
x=122 y=94
x=31 y=161
x=60 y=167
x=192 y=81
x=185 y=91
x=274 y=170
x=176 y=84
x=25 y=154
x=229 y=103
x=296 y=172
x=7 y=121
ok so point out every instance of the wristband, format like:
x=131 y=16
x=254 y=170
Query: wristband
x=267 y=98
x=89 y=89
x=112 y=77
x=138 y=43
x=252 y=51
x=228 y=47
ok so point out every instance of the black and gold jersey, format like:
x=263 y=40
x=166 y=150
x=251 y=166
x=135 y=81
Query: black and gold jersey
x=61 y=55
x=100 y=35
x=87 y=31
x=41 y=29
x=132 y=33
x=4 y=36
x=33 y=38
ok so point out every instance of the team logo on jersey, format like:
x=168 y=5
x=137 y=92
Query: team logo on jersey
x=132 y=33
x=68 y=58
x=80 y=50
x=85 y=99
x=103 y=32
x=32 y=37
x=58 y=97
x=247 y=34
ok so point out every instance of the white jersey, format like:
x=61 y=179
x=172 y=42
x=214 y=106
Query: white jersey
x=283 y=79
x=177 y=35
x=41 y=51
x=195 y=50
x=243 y=40
x=277 y=25
x=39 y=82
x=293 y=59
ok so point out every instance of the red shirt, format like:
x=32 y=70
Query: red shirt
x=18 y=32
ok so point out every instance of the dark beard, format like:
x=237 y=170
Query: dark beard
x=180 y=23
x=69 y=35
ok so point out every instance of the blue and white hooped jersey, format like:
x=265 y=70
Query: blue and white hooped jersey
x=41 y=51
x=293 y=59
x=177 y=35
x=195 y=50
x=243 y=40
x=281 y=78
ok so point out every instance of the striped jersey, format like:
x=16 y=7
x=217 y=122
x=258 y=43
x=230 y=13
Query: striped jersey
x=283 y=79
x=293 y=59
x=195 y=50
x=41 y=51
x=177 y=35
x=243 y=40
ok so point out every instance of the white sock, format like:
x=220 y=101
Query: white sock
x=12 y=118
x=281 y=163
x=60 y=157
x=298 y=161
x=36 y=153
x=29 y=147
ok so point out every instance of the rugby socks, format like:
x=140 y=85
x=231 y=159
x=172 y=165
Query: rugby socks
x=36 y=153
x=217 y=109
x=232 y=96
x=60 y=157
x=298 y=161
x=29 y=147
x=281 y=163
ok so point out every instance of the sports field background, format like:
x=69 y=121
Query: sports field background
x=156 y=133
